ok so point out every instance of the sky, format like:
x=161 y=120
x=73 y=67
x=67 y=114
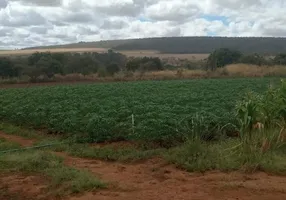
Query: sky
x=26 y=23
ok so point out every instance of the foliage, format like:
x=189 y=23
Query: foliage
x=222 y=57
x=280 y=59
x=48 y=64
x=112 y=68
x=144 y=64
x=228 y=155
x=7 y=68
x=267 y=109
x=163 y=112
x=253 y=59
x=63 y=179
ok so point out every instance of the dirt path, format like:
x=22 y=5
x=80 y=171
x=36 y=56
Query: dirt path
x=19 y=186
x=17 y=139
x=156 y=180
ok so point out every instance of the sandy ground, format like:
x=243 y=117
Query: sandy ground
x=153 y=179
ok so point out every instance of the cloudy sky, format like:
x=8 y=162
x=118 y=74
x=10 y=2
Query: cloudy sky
x=26 y=23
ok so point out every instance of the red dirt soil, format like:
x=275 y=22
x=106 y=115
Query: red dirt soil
x=17 y=139
x=17 y=186
x=154 y=179
x=27 y=85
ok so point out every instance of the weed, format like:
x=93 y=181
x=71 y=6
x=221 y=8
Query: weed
x=5 y=145
x=70 y=180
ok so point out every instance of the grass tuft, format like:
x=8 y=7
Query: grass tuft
x=64 y=180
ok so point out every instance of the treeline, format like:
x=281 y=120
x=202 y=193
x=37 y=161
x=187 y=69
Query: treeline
x=43 y=66
x=222 y=57
x=46 y=65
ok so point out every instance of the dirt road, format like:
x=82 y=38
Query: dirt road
x=154 y=179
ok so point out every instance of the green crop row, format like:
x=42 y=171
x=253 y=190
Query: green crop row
x=159 y=111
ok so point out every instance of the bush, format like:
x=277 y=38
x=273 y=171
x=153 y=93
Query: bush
x=112 y=69
x=253 y=59
x=144 y=64
x=222 y=57
x=7 y=68
x=102 y=72
x=280 y=59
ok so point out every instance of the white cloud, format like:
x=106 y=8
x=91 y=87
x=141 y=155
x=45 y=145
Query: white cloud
x=49 y=3
x=43 y=22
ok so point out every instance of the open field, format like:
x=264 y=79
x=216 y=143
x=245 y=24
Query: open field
x=143 y=53
x=135 y=53
x=59 y=50
x=139 y=140
x=158 y=111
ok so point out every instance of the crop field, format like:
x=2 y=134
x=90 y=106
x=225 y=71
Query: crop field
x=155 y=134
x=160 y=111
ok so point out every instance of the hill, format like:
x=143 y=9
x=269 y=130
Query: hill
x=187 y=45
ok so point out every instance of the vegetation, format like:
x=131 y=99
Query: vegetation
x=258 y=143
x=4 y=145
x=222 y=57
x=64 y=180
x=260 y=147
x=160 y=112
x=45 y=67
x=189 y=44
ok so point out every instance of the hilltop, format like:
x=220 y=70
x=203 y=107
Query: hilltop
x=188 y=45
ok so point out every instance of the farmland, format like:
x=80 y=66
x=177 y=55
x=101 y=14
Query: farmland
x=172 y=127
x=157 y=111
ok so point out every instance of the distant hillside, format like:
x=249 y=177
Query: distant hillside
x=99 y=44
x=182 y=45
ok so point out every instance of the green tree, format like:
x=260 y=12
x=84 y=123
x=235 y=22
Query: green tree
x=222 y=57
x=253 y=59
x=280 y=59
x=49 y=66
x=112 y=68
x=7 y=68
x=144 y=64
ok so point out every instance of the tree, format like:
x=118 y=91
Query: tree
x=112 y=68
x=253 y=59
x=145 y=64
x=7 y=68
x=222 y=57
x=49 y=66
x=35 y=57
x=280 y=59
x=133 y=64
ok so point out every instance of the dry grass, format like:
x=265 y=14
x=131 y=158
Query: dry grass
x=193 y=57
x=243 y=70
x=135 y=53
x=235 y=70
x=59 y=50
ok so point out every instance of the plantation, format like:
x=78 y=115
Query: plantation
x=164 y=112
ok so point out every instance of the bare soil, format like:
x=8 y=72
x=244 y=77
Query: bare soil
x=20 y=186
x=17 y=139
x=154 y=179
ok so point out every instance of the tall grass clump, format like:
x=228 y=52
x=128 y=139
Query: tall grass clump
x=260 y=144
x=262 y=126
